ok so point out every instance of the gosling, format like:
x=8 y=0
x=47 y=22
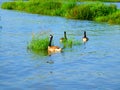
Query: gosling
x=63 y=38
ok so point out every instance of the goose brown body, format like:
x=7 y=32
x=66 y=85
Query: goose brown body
x=53 y=49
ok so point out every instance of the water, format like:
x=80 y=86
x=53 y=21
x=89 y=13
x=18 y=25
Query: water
x=108 y=3
x=93 y=66
x=116 y=3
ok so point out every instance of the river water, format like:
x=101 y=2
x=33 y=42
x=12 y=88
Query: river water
x=91 y=66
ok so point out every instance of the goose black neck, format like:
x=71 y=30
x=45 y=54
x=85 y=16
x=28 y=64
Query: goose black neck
x=65 y=35
x=84 y=34
x=51 y=37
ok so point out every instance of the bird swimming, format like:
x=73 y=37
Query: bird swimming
x=53 y=49
x=63 y=38
x=85 y=38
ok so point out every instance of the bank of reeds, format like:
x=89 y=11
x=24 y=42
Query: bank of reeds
x=91 y=11
x=102 y=0
x=74 y=0
x=113 y=18
x=66 y=9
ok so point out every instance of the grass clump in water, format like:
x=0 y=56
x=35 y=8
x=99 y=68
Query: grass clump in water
x=71 y=42
x=67 y=43
x=38 y=42
x=77 y=42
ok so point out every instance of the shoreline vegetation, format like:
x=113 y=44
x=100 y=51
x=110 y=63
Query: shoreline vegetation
x=95 y=11
x=101 y=0
x=74 y=0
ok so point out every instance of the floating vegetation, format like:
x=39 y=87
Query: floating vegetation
x=67 y=43
x=77 y=42
x=71 y=42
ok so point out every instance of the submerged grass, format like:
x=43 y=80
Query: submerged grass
x=66 y=9
x=71 y=42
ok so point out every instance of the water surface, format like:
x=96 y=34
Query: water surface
x=91 y=66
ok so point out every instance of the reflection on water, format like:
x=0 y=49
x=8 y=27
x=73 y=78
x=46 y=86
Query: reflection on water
x=50 y=62
x=93 y=65
x=39 y=52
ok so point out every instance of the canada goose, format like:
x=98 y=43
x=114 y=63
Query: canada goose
x=85 y=38
x=63 y=38
x=53 y=49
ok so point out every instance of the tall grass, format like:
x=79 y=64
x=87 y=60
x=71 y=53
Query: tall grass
x=38 y=42
x=90 y=11
x=113 y=18
x=102 y=0
x=82 y=0
x=66 y=9
x=73 y=0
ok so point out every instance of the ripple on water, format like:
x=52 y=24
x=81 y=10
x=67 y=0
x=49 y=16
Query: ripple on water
x=94 y=65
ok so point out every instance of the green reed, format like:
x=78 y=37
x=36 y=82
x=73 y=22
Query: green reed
x=90 y=11
x=38 y=42
x=113 y=18
x=87 y=11
x=102 y=0
x=71 y=42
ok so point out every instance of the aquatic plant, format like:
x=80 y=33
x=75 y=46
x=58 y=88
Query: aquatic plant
x=67 y=43
x=38 y=52
x=77 y=42
x=38 y=42
x=71 y=42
